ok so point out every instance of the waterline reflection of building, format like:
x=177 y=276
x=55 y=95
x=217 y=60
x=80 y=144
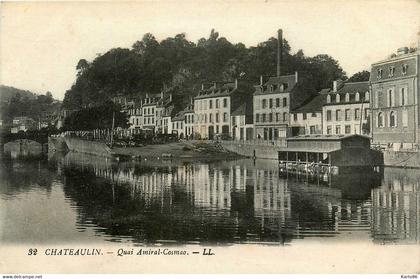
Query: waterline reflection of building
x=396 y=207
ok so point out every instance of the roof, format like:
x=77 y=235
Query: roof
x=353 y=87
x=289 y=80
x=217 y=91
x=180 y=116
x=324 y=137
x=315 y=104
x=240 y=110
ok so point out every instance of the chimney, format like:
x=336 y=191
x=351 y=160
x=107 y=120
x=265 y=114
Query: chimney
x=337 y=85
x=261 y=80
x=296 y=77
x=236 y=83
x=279 y=50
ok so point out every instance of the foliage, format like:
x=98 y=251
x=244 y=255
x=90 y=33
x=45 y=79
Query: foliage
x=16 y=102
x=98 y=117
x=182 y=65
x=360 y=76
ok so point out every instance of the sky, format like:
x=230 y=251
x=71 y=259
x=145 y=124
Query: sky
x=41 y=42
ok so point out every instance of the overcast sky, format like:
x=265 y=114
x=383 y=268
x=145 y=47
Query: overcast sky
x=41 y=43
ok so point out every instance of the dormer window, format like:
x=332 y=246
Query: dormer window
x=367 y=96
x=285 y=85
x=271 y=88
x=328 y=99
x=391 y=71
x=347 y=97
x=357 y=97
x=379 y=73
x=337 y=98
x=404 y=69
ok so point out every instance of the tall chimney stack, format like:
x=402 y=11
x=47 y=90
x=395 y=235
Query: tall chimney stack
x=279 y=50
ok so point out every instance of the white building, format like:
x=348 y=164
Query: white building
x=212 y=109
x=346 y=108
x=307 y=119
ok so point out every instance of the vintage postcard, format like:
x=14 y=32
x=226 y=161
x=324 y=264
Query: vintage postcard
x=210 y=137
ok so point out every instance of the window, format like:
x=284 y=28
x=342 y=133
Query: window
x=328 y=99
x=391 y=71
x=225 y=117
x=357 y=114
x=271 y=88
x=347 y=114
x=277 y=117
x=347 y=97
x=205 y=104
x=312 y=130
x=405 y=118
x=225 y=102
x=217 y=103
x=264 y=103
x=257 y=117
x=404 y=69
x=347 y=129
x=403 y=96
x=277 y=102
x=338 y=115
x=391 y=98
x=380 y=120
x=211 y=118
x=338 y=129
x=337 y=98
x=270 y=117
x=263 y=117
x=367 y=96
x=328 y=115
x=379 y=72
x=329 y=130
x=313 y=114
x=284 y=102
x=295 y=116
x=217 y=118
x=210 y=104
x=392 y=119
x=304 y=116
x=270 y=103
x=285 y=116
x=357 y=97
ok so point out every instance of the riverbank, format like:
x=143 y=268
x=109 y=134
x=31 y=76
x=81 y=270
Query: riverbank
x=196 y=150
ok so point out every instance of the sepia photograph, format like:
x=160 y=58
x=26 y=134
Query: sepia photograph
x=210 y=137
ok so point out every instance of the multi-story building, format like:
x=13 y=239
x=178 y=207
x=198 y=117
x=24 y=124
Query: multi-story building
x=213 y=107
x=167 y=113
x=307 y=119
x=178 y=124
x=22 y=123
x=162 y=104
x=149 y=111
x=346 y=108
x=189 y=121
x=135 y=119
x=395 y=87
x=273 y=102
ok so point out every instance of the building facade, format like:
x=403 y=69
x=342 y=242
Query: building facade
x=346 y=109
x=212 y=109
x=273 y=102
x=242 y=122
x=307 y=119
x=395 y=100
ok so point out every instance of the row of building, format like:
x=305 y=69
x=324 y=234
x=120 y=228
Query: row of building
x=386 y=108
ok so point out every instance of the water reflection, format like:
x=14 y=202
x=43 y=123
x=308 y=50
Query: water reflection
x=222 y=202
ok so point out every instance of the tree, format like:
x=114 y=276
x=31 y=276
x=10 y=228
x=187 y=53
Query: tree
x=360 y=76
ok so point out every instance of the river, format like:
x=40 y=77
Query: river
x=78 y=198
